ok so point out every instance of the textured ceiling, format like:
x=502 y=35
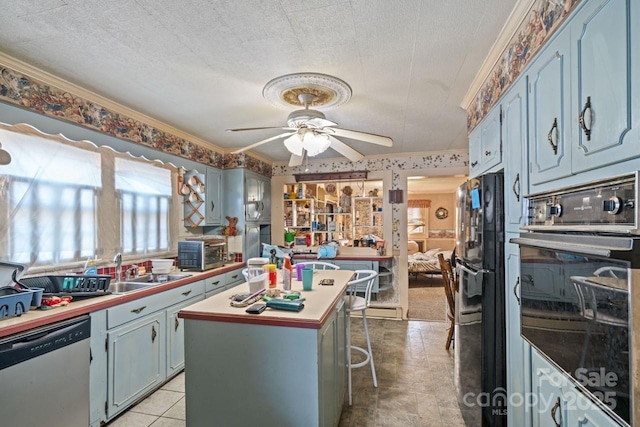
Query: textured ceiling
x=200 y=65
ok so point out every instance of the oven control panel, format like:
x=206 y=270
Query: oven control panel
x=610 y=204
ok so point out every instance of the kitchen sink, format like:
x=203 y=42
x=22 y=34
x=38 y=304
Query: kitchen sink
x=147 y=278
x=126 y=287
x=143 y=282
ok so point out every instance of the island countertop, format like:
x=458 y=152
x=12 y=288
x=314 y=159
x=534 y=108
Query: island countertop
x=317 y=305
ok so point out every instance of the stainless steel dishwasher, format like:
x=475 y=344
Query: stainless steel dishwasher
x=44 y=375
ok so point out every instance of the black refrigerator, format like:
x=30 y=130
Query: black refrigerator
x=480 y=337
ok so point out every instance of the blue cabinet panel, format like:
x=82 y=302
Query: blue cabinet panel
x=549 y=112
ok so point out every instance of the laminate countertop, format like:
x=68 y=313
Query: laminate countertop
x=37 y=317
x=317 y=305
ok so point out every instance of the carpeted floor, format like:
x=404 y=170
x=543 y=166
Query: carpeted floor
x=427 y=300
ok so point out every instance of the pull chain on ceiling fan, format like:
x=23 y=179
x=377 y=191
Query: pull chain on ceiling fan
x=309 y=133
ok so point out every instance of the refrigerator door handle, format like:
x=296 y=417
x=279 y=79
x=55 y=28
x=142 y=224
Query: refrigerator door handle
x=470 y=271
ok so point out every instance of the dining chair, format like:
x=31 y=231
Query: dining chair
x=355 y=303
x=449 y=290
x=319 y=265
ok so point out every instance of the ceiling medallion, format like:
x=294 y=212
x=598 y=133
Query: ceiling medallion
x=330 y=92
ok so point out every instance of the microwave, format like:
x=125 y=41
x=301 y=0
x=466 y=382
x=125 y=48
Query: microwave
x=201 y=253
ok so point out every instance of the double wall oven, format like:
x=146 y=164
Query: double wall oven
x=579 y=283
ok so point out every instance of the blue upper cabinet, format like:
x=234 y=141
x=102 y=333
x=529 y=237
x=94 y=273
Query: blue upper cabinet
x=602 y=96
x=475 y=140
x=549 y=112
x=514 y=140
x=491 y=149
x=485 y=143
x=257 y=198
x=584 y=109
x=213 y=199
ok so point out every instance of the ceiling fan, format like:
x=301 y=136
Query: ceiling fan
x=309 y=133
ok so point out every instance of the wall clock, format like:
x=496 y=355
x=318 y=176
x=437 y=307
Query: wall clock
x=442 y=213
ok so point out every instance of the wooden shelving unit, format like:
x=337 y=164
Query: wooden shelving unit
x=318 y=214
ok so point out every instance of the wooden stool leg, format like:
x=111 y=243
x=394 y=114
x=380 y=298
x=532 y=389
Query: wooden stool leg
x=450 y=336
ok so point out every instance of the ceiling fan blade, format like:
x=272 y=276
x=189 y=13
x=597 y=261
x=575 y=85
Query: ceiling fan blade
x=264 y=141
x=363 y=136
x=319 y=122
x=296 y=160
x=345 y=150
x=262 y=128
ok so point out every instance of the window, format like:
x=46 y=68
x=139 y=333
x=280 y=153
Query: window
x=144 y=191
x=416 y=220
x=52 y=191
x=64 y=202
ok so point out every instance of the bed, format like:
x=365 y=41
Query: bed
x=425 y=262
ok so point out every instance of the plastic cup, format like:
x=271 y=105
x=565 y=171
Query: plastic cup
x=307 y=278
x=299 y=268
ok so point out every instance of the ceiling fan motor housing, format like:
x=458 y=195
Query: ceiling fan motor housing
x=299 y=118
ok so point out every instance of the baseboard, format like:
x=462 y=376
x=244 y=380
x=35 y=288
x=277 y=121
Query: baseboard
x=392 y=313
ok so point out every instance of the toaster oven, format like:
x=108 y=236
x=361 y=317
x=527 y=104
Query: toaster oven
x=202 y=253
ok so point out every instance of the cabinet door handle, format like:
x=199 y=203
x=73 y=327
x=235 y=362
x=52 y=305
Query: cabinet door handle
x=216 y=283
x=583 y=122
x=176 y=324
x=235 y=276
x=213 y=205
x=187 y=292
x=515 y=290
x=487 y=153
x=138 y=310
x=153 y=334
x=550 y=136
x=474 y=164
x=516 y=182
x=553 y=412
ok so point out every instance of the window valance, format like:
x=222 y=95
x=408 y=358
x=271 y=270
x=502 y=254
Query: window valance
x=419 y=203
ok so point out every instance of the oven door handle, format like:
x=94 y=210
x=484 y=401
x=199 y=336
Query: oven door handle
x=601 y=251
x=470 y=271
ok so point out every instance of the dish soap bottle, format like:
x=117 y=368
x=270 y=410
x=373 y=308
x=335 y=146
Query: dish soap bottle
x=287 y=270
x=90 y=268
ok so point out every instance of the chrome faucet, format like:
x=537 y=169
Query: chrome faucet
x=132 y=272
x=118 y=260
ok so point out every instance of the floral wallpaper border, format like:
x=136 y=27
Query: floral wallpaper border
x=544 y=18
x=32 y=94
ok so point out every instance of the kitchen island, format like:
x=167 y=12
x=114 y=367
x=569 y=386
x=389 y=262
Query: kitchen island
x=278 y=368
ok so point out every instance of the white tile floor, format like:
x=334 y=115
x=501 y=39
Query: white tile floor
x=415 y=376
x=164 y=408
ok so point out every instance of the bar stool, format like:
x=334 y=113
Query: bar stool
x=362 y=283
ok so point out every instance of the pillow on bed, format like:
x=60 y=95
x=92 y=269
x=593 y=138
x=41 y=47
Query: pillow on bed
x=412 y=247
x=433 y=252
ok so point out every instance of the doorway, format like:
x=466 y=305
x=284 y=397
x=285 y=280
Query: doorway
x=431 y=202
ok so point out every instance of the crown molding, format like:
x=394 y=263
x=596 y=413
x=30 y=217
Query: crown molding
x=67 y=86
x=516 y=18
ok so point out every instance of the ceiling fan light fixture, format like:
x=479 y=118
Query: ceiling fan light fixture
x=294 y=144
x=315 y=144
